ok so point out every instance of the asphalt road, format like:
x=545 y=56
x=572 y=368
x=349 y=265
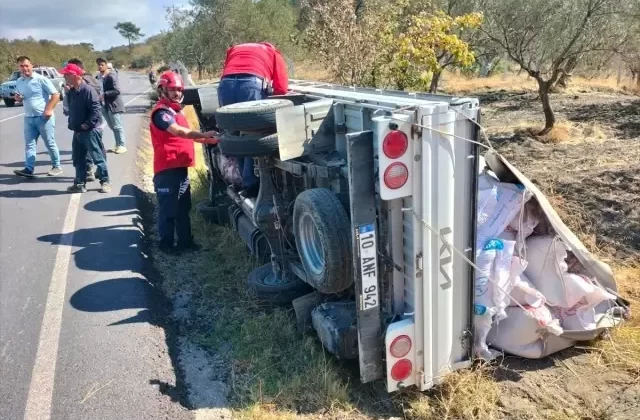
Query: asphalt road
x=81 y=335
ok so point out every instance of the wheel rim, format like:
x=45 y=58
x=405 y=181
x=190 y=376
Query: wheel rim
x=310 y=244
x=272 y=280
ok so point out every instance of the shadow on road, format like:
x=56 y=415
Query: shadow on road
x=42 y=162
x=122 y=247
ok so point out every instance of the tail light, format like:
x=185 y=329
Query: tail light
x=400 y=346
x=396 y=175
x=401 y=370
x=395 y=144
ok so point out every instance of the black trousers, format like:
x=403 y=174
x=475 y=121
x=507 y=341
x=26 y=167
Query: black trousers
x=173 y=191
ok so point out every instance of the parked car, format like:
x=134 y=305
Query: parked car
x=8 y=88
x=366 y=221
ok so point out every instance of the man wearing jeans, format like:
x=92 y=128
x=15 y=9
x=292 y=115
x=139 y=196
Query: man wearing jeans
x=250 y=72
x=97 y=86
x=40 y=98
x=84 y=121
x=113 y=104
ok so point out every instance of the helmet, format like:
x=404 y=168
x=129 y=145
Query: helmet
x=167 y=80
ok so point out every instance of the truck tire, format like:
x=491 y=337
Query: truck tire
x=280 y=294
x=208 y=211
x=252 y=115
x=10 y=103
x=323 y=237
x=249 y=145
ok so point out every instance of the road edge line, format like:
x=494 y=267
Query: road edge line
x=39 y=399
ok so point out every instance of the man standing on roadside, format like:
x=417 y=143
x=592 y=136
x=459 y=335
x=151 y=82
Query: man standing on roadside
x=40 y=98
x=251 y=71
x=84 y=121
x=97 y=86
x=113 y=104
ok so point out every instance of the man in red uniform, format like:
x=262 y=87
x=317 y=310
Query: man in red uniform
x=173 y=154
x=251 y=72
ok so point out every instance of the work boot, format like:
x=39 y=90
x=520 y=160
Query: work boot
x=91 y=176
x=77 y=188
x=55 y=171
x=25 y=173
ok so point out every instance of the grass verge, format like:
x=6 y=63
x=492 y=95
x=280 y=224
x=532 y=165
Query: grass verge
x=270 y=363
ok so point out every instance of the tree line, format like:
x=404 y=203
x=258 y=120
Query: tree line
x=405 y=44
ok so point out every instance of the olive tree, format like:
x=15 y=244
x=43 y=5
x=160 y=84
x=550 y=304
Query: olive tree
x=548 y=38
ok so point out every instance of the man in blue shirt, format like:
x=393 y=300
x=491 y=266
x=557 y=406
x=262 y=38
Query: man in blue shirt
x=40 y=98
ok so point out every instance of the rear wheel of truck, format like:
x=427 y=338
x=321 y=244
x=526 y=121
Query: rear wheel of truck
x=270 y=288
x=10 y=102
x=323 y=237
x=252 y=115
x=249 y=145
x=208 y=211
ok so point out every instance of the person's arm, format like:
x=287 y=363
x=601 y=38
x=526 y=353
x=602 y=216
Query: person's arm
x=186 y=133
x=280 y=76
x=164 y=120
x=54 y=96
x=94 y=117
x=115 y=84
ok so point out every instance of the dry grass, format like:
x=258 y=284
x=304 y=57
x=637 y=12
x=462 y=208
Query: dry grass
x=311 y=70
x=466 y=395
x=622 y=349
x=562 y=132
x=456 y=83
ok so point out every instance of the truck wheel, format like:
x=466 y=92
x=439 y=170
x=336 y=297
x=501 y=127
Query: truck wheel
x=323 y=237
x=266 y=287
x=208 y=211
x=10 y=103
x=252 y=115
x=249 y=145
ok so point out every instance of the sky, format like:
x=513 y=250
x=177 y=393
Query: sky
x=75 y=21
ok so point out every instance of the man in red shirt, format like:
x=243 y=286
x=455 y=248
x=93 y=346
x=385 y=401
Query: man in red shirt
x=173 y=154
x=251 y=71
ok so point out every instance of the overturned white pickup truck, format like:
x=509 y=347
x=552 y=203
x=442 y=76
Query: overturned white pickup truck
x=395 y=239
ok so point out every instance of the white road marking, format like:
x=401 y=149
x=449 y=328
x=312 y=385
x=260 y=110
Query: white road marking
x=143 y=93
x=19 y=115
x=12 y=117
x=44 y=369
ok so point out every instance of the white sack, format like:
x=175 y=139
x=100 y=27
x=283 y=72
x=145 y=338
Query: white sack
x=494 y=281
x=498 y=203
x=525 y=294
x=547 y=272
x=523 y=333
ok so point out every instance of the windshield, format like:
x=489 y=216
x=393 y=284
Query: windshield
x=14 y=76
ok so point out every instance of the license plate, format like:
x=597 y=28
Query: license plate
x=368 y=253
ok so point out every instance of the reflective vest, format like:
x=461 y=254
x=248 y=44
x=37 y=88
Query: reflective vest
x=170 y=151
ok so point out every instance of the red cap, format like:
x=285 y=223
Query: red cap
x=72 y=69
